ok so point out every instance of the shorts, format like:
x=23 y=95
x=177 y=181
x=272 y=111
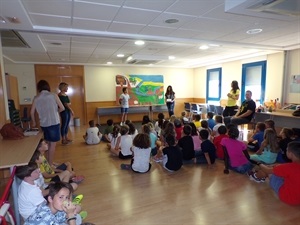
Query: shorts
x=55 y=179
x=124 y=110
x=52 y=133
x=121 y=156
x=62 y=167
x=276 y=183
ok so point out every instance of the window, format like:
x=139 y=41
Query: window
x=254 y=79
x=213 y=84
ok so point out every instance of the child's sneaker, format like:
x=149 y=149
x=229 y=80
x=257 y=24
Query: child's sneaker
x=249 y=173
x=125 y=166
x=256 y=179
x=77 y=199
x=157 y=159
x=83 y=214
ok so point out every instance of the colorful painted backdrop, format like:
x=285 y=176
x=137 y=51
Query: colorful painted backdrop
x=143 y=89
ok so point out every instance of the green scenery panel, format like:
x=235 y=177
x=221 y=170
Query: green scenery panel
x=143 y=89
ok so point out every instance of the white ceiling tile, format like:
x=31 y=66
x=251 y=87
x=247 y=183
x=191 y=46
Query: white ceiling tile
x=137 y=16
x=156 y=5
x=95 y=11
x=50 y=21
x=55 y=7
x=125 y=28
x=88 y=24
x=156 y=30
x=195 y=8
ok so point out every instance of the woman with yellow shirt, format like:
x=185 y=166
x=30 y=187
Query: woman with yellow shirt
x=233 y=96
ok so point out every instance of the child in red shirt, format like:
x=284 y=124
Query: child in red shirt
x=284 y=178
x=217 y=141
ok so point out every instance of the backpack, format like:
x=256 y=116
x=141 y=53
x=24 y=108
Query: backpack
x=12 y=132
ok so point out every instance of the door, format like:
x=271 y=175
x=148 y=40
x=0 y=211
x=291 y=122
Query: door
x=75 y=93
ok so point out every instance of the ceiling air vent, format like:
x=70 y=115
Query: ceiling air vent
x=287 y=10
x=144 y=59
x=11 y=38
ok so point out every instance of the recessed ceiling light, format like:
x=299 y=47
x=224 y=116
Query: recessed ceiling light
x=171 y=21
x=120 y=55
x=171 y=57
x=139 y=42
x=109 y=63
x=254 y=31
x=203 y=47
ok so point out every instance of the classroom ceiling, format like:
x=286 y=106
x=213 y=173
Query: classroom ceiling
x=94 y=32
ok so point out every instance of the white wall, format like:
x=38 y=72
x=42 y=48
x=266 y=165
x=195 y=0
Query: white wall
x=187 y=83
x=26 y=80
x=233 y=71
x=100 y=81
x=293 y=69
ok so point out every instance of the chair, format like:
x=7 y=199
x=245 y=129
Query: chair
x=195 y=109
x=25 y=118
x=6 y=213
x=219 y=110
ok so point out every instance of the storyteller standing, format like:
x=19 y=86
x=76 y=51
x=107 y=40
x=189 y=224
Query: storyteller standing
x=48 y=106
x=233 y=96
x=170 y=100
x=66 y=114
x=124 y=102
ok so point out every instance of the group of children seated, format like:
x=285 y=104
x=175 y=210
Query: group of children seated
x=178 y=141
x=45 y=194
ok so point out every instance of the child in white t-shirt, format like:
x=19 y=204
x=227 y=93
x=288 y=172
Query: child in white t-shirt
x=93 y=135
x=141 y=154
x=123 y=145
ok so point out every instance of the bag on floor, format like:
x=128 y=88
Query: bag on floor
x=11 y=132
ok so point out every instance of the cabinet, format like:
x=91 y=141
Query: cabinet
x=12 y=89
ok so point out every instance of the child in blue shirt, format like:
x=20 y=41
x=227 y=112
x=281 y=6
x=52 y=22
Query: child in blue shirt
x=257 y=138
x=211 y=122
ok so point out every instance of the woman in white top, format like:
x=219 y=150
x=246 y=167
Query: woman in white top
x=124 y=144
x=48 y=106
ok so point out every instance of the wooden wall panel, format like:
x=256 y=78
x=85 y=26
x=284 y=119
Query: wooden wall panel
x=59 y=70
x=2 y=101
x=72 y=75
x=92 y=114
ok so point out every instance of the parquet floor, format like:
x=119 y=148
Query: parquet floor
x=193 y=195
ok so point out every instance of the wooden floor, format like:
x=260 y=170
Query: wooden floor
x=193 y=195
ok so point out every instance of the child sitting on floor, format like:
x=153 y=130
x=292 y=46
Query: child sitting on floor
x=269 y=148
x=172 y=155
x=64 y=172
x=113 y=136
x=217 y=141
x=186 y=144
x=254 y=142
x=108 y=129
x=123 y=145
x=235 y=158
x=284 y=178
x=141 y=154
x=58 y=210
x=92 y=135
x=285 y=135
x=208 y=150
x=210 y=120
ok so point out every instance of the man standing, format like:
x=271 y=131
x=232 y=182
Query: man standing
x=245 y=113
